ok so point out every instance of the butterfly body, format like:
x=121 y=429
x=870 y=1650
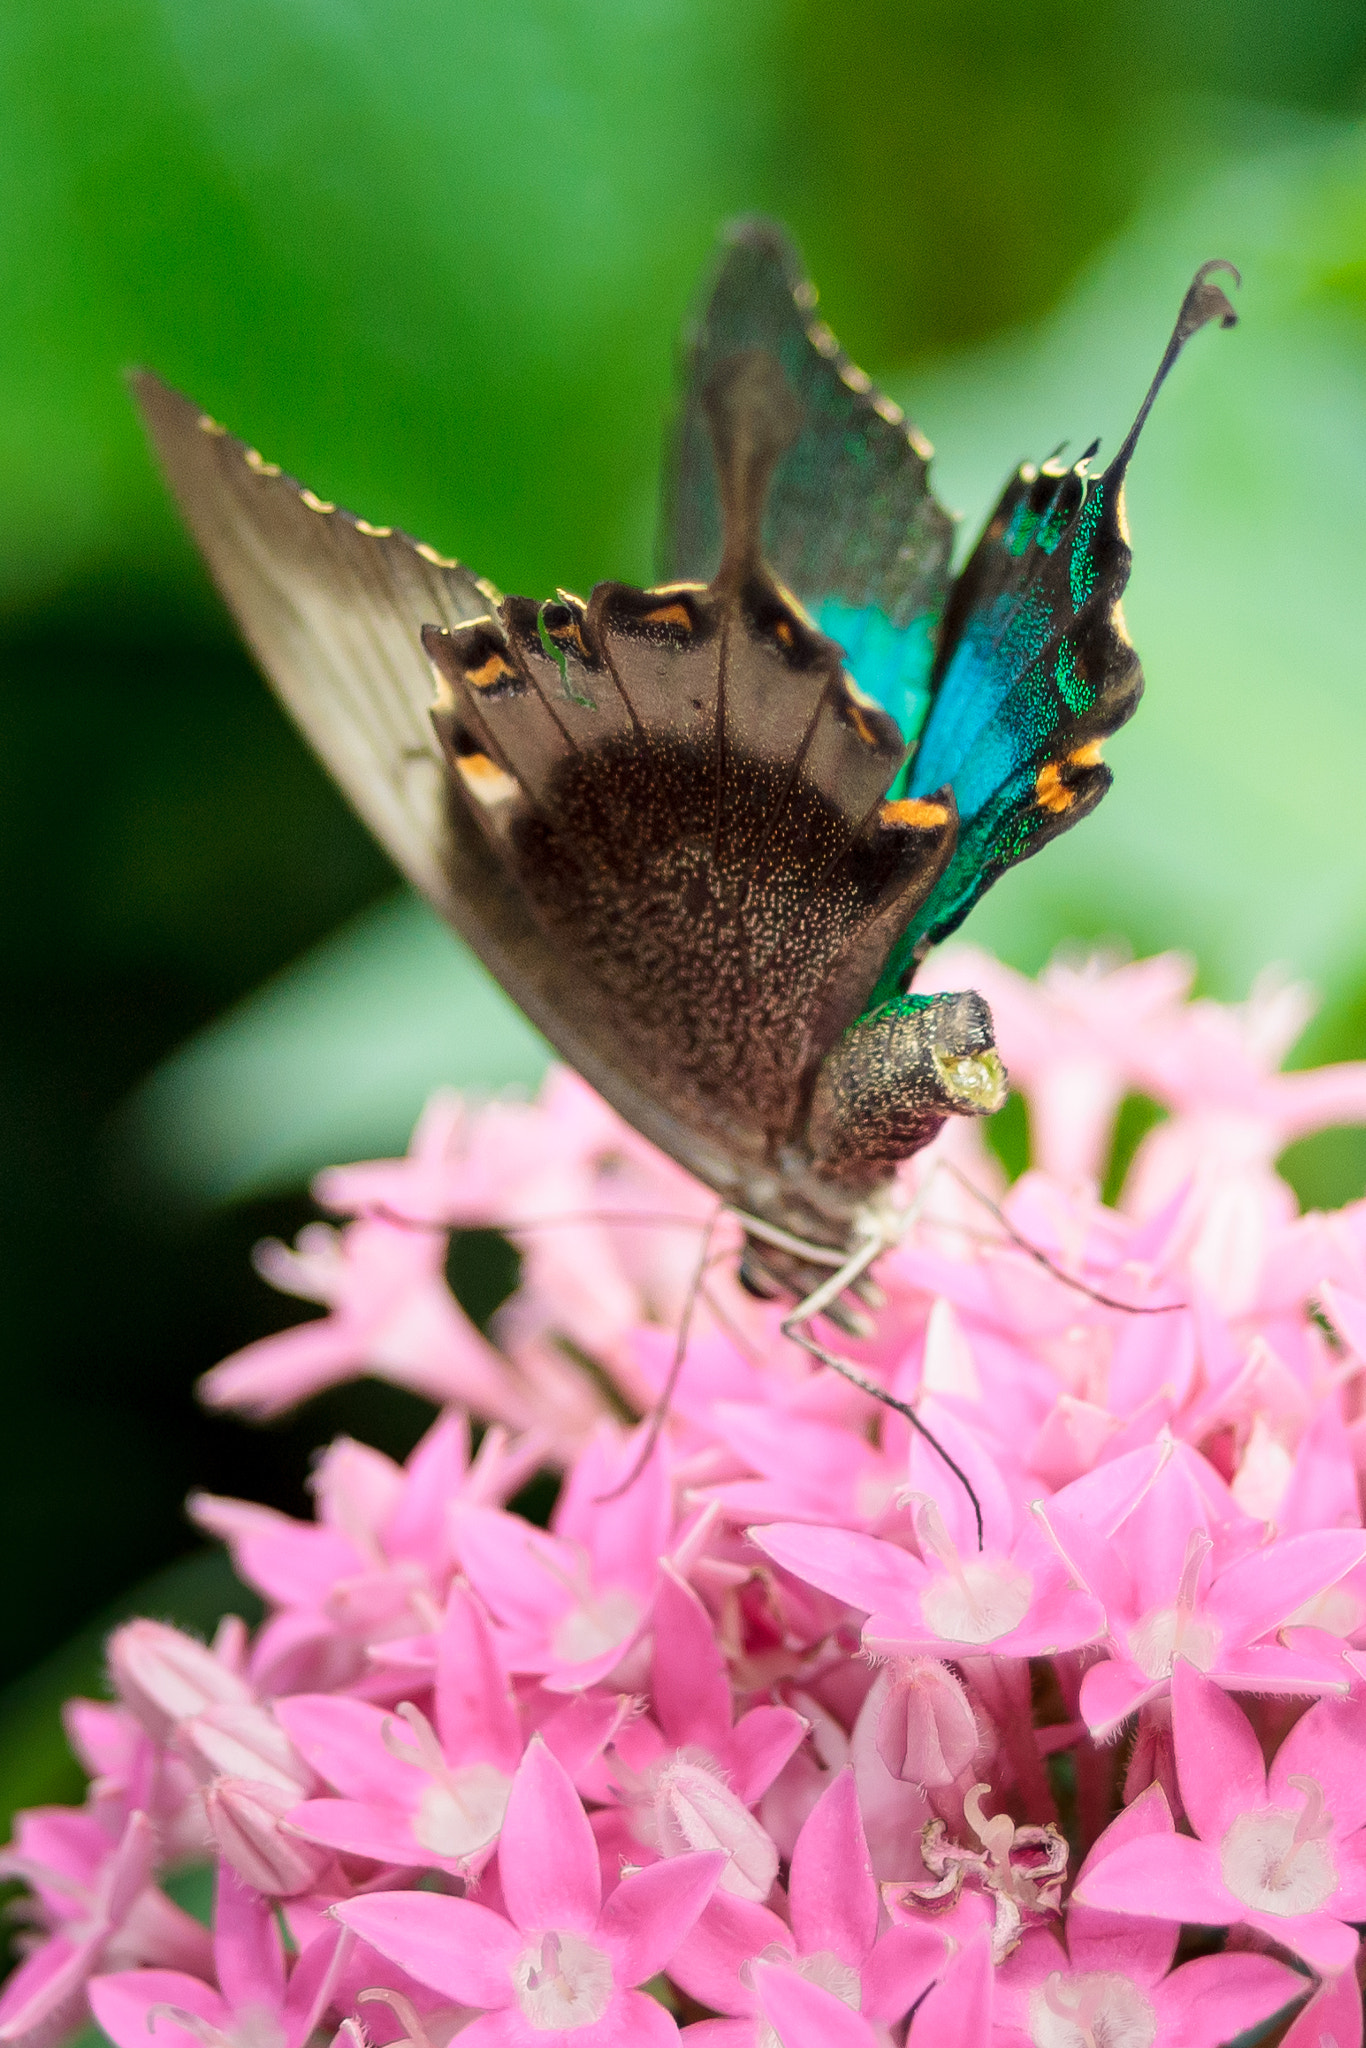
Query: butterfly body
x=700 y=840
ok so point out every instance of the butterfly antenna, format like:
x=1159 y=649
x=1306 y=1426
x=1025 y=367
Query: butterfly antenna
x=659 y=1414
x=1205 y=301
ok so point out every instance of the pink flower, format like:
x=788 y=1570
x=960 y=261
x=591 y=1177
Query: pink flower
x=1179 y=1577
x=429 y=1796
x=376 y=1564
x=563 y=1960
x=258 y=1998
x=568 y=1603
x=390 y=1313
x=414 y=1794
x=97 y=1904
x=1282 y=1851
x=1011 y=1598
x=690 y=1782
x=810 y=1470
x=1114 y=1978
x=832 y=1941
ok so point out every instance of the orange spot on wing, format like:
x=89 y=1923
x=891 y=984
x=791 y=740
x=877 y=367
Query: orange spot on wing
x=1051 y=790
x=490 y=671
x=1053 y=793
x=484 y=779
x=668 y=615
x=916 y=811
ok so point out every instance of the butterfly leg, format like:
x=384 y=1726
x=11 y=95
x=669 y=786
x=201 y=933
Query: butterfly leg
x=659 y=1414
x=797 y=1326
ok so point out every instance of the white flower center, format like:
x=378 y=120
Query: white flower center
x=1281 y=1862
x=594 y=1624
x=562 y=1980
x=976 y=1601
x=1098 y=2009
x=463 y=1807
x=463 y=1812
x=823 y=1968
x=1166 y=1633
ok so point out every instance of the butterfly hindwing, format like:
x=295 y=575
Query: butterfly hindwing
x=720 y=862
x=1034 y=668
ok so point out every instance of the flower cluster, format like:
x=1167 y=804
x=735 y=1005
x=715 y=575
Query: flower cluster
x=777 y=1734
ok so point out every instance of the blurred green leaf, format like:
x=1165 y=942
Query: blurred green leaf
x=333 y=1058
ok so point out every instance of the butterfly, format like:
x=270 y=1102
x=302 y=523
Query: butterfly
x=704 y=833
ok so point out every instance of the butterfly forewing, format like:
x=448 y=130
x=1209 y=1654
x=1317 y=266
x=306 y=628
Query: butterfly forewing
x=851 y=522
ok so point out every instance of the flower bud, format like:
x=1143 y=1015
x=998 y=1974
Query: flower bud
x=163 y=1675
x=1153 y=1759
x=244 y=1741
x=926 y=1732
x=694 y=1809
x=245 y=1817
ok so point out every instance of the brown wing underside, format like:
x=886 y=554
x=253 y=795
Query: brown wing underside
x=667 y=836
x=695 y=812
x=333 y=610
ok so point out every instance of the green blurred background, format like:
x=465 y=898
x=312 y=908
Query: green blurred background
x=432 y=256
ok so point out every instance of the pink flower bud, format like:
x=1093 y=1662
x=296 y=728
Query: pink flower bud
x=695 y=1809
x=163 y=1676
x=245 y=1817
x=237 y=1741
x=1153 y=1760
x=926 y=1732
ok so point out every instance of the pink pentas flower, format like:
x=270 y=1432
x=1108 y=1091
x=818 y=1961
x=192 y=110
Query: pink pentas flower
x=258 y=1997
x=1282 y=1851
x=95 y=1903
x=1112 y=1979
x=607 y=1226
x=569 y=1602
x=561 y=1959
x=412 y=1793
x=431 y=1793
x=378 y=1561
x=390 y=1313
x=1176 y=1581
x=1012 y=1597
x=689 y=1778
x=830 y=1938
x=129 y=1772
x=1216 y=1066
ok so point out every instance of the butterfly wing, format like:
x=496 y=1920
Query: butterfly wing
x=333 y=610
x=851 y=527
x=1034 y=668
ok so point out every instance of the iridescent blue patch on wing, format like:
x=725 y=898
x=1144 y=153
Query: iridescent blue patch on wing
x=970 y=739
x=891 y=664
